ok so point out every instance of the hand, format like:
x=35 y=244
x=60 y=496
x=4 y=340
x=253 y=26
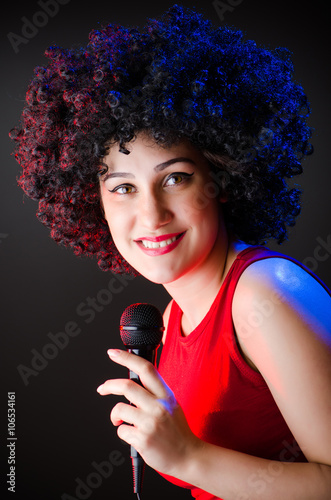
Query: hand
x=159 y=430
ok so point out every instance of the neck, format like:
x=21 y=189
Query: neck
x=195 y=293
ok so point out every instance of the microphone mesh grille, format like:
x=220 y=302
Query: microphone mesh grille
x=148 y=321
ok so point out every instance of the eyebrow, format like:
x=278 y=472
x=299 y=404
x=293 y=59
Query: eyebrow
x=157 y=168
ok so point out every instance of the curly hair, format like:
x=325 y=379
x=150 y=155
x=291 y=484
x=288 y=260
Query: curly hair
x=179 y=77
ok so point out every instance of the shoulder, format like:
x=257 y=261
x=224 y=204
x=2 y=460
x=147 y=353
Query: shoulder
x=273 y=294
x=278 y=283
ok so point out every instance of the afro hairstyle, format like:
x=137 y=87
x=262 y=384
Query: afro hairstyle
x=179 y=77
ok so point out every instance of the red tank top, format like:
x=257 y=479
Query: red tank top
x=225 y=401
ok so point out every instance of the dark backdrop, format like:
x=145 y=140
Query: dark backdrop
x=62 y=424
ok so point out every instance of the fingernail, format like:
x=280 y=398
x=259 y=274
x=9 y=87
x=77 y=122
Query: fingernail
x=113 y=353
x=100 y=389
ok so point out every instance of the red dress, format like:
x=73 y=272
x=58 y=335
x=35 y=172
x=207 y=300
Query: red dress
x=225 y=401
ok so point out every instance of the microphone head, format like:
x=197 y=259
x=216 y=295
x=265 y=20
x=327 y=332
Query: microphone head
x=141 y=325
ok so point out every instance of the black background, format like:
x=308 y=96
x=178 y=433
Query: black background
x=62 y=423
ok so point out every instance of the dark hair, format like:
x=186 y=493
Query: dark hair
x=179 y=77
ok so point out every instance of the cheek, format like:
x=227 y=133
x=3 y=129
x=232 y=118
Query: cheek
x=117 y=226
x=120 y=224
x=201 y=211
x=114 y=214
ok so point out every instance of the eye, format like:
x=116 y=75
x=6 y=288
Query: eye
x=123 y=189
x=177 y=178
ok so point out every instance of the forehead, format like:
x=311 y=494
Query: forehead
x=144 y=151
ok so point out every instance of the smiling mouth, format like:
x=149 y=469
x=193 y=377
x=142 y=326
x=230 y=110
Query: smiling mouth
x=149 y=244
x=159 y=244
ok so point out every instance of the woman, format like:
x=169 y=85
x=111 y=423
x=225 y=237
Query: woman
x=165 y=153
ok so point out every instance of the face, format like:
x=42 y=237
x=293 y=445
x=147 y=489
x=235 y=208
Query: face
x=162 y=209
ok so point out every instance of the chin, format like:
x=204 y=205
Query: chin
x=163 y=276
x=160 y=273
x=158 y=278
x=156 y=274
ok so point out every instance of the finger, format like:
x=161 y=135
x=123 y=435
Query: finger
x=133 y=392
x=124 y=413
x=147 y=373
x=129 y=434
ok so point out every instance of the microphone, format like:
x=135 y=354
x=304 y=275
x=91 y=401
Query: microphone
x=141 y=329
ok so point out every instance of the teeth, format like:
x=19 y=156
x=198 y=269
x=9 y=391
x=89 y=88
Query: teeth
x=154 y=244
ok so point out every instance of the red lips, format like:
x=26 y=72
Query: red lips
x=154 y=252
x=157 y=239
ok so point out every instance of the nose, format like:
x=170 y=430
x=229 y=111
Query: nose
x=154 y=211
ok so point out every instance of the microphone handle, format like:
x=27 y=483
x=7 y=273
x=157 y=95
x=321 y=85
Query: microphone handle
x=148 y=353
x=138 y=463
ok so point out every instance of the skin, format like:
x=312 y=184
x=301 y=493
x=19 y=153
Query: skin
x=290 y=346
x=154 y=203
